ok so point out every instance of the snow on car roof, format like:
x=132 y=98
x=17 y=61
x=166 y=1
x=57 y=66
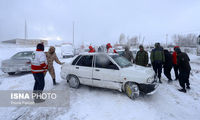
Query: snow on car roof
x=95 y=53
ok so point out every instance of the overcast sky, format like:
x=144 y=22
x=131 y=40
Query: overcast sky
x=98 y=21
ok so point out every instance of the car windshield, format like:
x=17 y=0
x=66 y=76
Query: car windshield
x=22 y=55
x=121 y=61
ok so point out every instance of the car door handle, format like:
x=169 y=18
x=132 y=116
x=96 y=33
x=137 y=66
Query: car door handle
x=77 y=67
x=97 y=70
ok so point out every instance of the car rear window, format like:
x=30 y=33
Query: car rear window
x=85 y=61
x=75 y=60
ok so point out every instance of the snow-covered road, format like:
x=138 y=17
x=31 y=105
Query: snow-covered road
x=89 y=103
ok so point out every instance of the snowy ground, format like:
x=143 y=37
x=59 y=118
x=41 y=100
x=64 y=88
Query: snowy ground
x=88 y=103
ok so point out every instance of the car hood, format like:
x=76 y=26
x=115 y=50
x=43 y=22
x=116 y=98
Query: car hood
x=137 y=73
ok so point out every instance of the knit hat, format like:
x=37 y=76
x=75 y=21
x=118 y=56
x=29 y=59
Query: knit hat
x=40 y=46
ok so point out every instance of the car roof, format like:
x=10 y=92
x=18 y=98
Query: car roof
x=96 y=53
x=24 y=51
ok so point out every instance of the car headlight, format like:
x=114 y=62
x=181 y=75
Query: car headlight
x=150 y=79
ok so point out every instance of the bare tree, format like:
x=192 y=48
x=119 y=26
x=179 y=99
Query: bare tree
x=185 y=40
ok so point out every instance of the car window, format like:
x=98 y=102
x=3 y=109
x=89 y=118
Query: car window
x=75 y=60
x=23 y=54
x=102 y=61
x=121 y=61
x=85 y=61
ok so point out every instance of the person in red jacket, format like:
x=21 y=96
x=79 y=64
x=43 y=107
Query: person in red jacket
x=175 y=65
x=110 y=49
x=91 y=49
x=38 y=67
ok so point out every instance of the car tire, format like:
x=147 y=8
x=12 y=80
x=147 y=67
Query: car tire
x=11 y=73
x=132 y=90
x=73 y=81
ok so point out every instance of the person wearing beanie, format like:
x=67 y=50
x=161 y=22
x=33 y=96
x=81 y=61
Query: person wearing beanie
x=128 y=54
x=142 y=57
x=157 y=60
x=38 y=67
x=110 y=49
x=91 y=49
x=175 y=66
x=51 y=57
x=184 y=69
x=168 y=65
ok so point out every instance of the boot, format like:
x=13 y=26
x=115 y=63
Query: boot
x=188 y=87
x=182 y=90
x=160 y=81
x=54 y=82
x=169 y=81
x=38 y=99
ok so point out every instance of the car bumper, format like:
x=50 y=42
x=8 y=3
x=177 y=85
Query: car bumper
x=148 y=88
x=16 y=69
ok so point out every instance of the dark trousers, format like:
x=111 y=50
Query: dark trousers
x=157 y=67
x=184 y=78
x=176 y=70
x=39 y=82
x=167 y=72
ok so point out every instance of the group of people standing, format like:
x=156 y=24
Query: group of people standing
x=40 y=64
x=162 y=58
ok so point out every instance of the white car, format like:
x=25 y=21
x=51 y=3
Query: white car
x=109 y=71
x=67 y=51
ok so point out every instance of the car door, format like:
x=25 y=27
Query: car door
x=83 y=69
x=105 y=73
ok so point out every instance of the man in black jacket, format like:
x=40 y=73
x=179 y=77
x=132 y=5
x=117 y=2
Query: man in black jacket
x=168 y=65
x=184 y=68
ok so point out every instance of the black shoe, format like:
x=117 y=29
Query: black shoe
x=169 y=81
x=38 y=100
x=160 y=81
x=188 y=87
x=182 y=90
x=55 y=83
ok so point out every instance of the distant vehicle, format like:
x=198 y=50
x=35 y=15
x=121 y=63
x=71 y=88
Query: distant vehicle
x=67 y=51
x=109 y=71
x=20 y=62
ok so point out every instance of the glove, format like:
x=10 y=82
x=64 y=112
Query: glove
x=62 y=63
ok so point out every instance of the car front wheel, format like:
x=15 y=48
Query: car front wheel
x=74 y=81
x=11 y=73
x=132 y=90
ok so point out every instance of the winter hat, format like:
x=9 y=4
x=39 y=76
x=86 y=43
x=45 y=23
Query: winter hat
x=157 y=45
x=141 y=46
x=52 y=49
x=90 y=47
x=40 y=46
x=177 y=50
x=176 y=47
x=109 y=45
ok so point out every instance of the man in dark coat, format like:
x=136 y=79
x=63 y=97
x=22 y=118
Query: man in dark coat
x=157 y=60
x=141 y=57
x=184 y=69
x=168 y=65
x=128 y=54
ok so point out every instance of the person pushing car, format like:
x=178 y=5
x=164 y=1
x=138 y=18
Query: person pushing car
x=51 y=57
